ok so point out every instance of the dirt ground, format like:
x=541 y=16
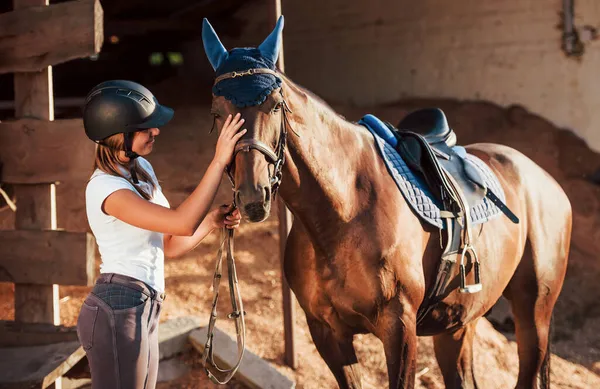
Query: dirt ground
x=184 y=149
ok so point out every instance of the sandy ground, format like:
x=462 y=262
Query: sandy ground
x=183 y=151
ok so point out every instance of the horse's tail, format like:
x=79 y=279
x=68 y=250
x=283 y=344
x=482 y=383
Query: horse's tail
x=545 y=368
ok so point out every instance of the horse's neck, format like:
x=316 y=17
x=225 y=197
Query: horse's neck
x=324 y=177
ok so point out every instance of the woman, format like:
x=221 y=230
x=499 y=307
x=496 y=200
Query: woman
x=135 y=229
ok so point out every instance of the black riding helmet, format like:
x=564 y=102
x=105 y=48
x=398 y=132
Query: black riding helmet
x=122 y=107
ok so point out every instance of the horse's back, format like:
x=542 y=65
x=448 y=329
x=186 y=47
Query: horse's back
x=520 y=174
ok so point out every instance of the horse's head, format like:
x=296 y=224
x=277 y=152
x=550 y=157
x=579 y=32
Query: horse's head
x=247 y=82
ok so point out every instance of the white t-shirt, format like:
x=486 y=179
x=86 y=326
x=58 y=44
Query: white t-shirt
x=126 y=249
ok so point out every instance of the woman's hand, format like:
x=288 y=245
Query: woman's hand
x=220 y=217
x=228 y=137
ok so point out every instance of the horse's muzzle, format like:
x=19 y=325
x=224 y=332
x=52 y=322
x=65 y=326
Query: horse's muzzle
x=255 y=205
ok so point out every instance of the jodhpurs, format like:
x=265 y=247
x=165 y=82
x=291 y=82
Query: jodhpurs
x=118 y=329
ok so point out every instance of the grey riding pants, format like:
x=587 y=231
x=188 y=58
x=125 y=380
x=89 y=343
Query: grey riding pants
x=118 y=329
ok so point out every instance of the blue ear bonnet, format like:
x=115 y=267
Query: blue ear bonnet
x=246 y=91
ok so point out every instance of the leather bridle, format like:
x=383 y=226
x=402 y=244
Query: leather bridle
x=277 y=159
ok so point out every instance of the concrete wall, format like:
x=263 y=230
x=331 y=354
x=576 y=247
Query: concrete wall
x=507 y=52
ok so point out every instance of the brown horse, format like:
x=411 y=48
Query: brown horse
x=360 y=261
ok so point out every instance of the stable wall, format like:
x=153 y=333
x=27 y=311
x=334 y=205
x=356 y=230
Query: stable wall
x=507 y=52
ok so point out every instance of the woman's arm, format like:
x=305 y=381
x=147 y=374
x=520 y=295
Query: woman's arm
x=175 y=246
x=185 y=220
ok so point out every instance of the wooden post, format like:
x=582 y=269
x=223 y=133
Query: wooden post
x=35 y=36
x=285 y=224
x=36 y=204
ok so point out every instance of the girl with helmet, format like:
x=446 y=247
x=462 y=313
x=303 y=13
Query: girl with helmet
x=135 y=228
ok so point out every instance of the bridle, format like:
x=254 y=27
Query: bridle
x=277 y=159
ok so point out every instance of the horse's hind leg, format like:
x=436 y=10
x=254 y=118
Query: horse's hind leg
x=338 y=353
x=533 y=291
x=454 y=353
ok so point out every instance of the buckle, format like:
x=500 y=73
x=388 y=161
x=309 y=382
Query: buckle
x=248 y=72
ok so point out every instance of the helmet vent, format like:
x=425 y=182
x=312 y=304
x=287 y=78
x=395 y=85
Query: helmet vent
x=134 y=95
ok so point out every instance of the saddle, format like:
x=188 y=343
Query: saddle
x=428 y=146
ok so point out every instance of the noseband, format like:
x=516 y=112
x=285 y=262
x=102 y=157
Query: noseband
x=274 y=157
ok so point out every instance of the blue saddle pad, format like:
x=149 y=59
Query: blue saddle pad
x=413 y=187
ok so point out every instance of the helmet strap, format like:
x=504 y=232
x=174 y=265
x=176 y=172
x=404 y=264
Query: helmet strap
x=129 y=153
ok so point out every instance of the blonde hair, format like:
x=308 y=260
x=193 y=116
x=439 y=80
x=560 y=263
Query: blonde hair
x=107 y=160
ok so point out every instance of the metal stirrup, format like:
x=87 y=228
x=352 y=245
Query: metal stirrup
x=237 y=314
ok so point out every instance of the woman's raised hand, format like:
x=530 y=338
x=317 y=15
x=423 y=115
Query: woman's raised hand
x=228 y=137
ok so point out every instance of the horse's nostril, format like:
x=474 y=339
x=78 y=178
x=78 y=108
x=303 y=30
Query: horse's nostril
x=267 y=197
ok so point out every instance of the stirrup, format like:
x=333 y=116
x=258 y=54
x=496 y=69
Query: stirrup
x=473 y=288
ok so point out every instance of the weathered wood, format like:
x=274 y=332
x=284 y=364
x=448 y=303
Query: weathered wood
x=37 y=303
x=34 y=95
x=47 y=257
x=35 y=210
x=254 y=372
x=16 y=334
x=39 y=151
x=34 y=99
x=285 y=225
x=34 y=207
x=33 y=38
x=38 y=366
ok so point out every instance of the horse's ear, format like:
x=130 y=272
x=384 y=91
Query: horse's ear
x=270 y=47
x=215 y=51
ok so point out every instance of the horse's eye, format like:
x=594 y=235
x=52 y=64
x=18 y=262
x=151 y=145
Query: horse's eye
x=277 y=107
x=215 y=114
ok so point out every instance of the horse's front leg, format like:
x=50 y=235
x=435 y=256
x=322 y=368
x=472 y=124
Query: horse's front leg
x=338 y=352
x=398 y=333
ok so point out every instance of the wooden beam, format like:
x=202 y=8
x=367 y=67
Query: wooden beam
x=254 y=372
x=285 y=224
x=36 y=37
x=15 y=334
x=39 y=151
x=38 y=366
x=47 y=257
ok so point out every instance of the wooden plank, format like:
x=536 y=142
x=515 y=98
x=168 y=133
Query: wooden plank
x=37 y=366
x=34 y=38
x=47 y=257
x=39 y=151
x=255 y=372
x=15 y=334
